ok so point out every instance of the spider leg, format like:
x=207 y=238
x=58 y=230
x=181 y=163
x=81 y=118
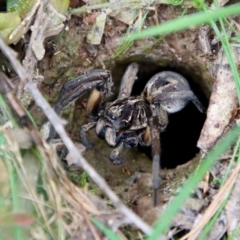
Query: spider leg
x=174 y=101
x=128 y=80
x=75 y=88
x=72 y=90
x=83 y=136
x=158 y=122
x=130 y=139
x=198 y=104
x=114 y=156
x=145 y=139
x=166 y=92
x=127 y=140
x=126 y=85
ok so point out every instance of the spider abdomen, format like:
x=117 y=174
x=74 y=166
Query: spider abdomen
x=169 y=89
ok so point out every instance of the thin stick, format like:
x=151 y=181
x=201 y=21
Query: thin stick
x=76 y=156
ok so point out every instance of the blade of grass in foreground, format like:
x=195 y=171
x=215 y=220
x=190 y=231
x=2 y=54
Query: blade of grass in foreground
x=224 y=38
x=17 y=231
x=213 y=220
x=210 y=224
x=108 y=232
x=187 y=21
x=229 y=54
x=5 y=109
x=173 y=207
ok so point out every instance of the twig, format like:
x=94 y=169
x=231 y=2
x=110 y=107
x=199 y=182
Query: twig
x=76 y=156
x=26 y=21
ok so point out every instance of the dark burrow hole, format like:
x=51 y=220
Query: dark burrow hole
x=179 y=140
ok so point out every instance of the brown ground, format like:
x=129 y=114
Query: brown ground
x=69 y=55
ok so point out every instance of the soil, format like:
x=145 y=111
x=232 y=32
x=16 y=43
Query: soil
x=69 y=55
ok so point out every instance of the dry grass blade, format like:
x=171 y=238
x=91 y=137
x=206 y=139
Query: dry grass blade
x=27 y=178
x=214 y=206
x=65 y=203
x=78 y=159
x=232 y=209
x=4 y=179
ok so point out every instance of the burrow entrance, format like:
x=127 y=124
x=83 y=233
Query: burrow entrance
x=179 y=140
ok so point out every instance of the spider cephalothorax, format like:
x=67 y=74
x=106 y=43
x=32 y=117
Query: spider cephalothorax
x=124 y=115
x=129 y=121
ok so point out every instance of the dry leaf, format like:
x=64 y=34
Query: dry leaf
x=96 y=33
x=222 y=103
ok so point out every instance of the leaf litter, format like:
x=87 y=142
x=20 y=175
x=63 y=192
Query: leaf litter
x=223 y=103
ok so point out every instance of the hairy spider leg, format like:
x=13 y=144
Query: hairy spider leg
x=75 y=88
x=101 y=129
x=198 y=104
x=125 y=90
x=128 y=80
x=126 y=140
x=167 y=92
x=158 y=122
x=156 y=153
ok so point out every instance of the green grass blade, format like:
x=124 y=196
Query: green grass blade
x=164 y=222
x=236 y=39
x=4 y=107
x=187 y=21
x=18 y=232
x=126 y=42
x=175 y=2
x=232 y=161
x=31 y=118
x=235 y=234
x=228 y=51
x=108 y=233
x=212 y=221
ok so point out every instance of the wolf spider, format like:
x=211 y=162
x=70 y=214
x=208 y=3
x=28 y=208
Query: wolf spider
x=129 y=121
